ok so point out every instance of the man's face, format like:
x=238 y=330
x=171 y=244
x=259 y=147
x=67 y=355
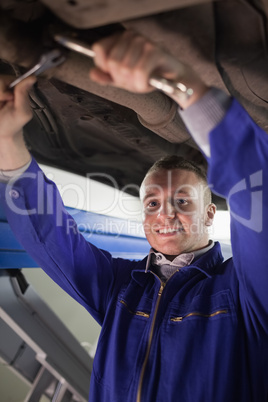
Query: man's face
x=175 y=214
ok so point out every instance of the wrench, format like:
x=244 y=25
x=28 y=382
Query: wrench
x=47 y=61
x=167 y=86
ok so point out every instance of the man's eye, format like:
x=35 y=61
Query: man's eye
x=152 y=204
x=182 y=201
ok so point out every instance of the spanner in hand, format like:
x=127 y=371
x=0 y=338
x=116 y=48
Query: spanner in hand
x=48 y=60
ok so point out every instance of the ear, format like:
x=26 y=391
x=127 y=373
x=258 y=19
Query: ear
x=210 y=213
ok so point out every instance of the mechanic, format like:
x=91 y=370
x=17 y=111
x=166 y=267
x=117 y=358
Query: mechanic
x=180 y=325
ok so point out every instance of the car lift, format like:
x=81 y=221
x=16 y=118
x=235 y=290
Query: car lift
x=36 y=344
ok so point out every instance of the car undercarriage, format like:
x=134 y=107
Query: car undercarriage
x=82 y=127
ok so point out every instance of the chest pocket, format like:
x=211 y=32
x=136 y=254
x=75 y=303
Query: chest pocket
x=203 y=308
x=123 y=336
x=199 y=338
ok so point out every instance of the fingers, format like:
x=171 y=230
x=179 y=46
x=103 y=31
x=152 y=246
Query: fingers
x=127 y=60
x=99 y=76
x=21 y=90
x=5 y=94
x=102 y=50
x=20 y=93
x=15 y=110
x=21 y=98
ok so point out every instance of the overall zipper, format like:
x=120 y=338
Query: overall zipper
x=152 y=331
x=149 y=341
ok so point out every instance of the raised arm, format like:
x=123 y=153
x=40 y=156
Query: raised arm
x=15 y=112
x=37 y=216
x=235 y=147
x=238 y=170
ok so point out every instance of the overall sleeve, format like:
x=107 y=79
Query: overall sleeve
x=37 y=217
x=238 y=171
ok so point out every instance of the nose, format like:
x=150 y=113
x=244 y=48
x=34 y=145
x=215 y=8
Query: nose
x=167 y=210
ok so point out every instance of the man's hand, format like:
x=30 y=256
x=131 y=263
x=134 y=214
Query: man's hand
x=128 y=60
x=15 y=112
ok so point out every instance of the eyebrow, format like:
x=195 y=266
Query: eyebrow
x=149 y=196
x=183 y=192
x=155 y=194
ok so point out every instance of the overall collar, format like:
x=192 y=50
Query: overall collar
x=182 y=260
x=207 y=263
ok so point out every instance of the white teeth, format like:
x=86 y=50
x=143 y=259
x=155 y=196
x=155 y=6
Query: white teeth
x=168 y=230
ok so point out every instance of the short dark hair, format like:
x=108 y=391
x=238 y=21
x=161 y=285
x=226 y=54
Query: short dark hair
x=171 y=162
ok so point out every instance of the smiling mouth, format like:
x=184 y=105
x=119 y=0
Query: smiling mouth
x=169 y=230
